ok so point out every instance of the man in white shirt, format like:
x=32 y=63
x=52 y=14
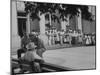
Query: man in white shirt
x=32 y=57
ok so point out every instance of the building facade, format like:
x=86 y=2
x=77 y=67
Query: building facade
x=21 y=22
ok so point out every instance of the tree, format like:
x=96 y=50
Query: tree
x=72 y=10
x=64 y=10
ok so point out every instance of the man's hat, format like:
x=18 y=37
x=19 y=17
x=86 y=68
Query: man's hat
x=31 y=45
x=32 y=34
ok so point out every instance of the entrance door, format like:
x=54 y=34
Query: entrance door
x=21 y=26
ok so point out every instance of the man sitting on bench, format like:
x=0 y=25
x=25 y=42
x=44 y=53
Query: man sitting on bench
x=32 y=57
x=39 y=50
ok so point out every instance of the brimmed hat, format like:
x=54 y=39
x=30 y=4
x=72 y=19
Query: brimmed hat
x=33 y=34
x=31 y=45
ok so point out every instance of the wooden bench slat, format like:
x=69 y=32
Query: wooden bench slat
x=46 y=66
x=47 y=69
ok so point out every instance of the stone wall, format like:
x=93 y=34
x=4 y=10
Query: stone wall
x=34 y=25
x=72 y=23
x=88 y=26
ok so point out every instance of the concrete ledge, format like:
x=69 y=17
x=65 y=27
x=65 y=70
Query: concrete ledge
x=46 y=67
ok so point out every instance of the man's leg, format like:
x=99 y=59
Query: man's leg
x=35 y=66
x=40 y=52
x=40 y=61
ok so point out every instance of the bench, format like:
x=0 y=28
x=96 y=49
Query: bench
x=46 y=67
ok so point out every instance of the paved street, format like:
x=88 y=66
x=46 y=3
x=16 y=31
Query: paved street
x=75 y=58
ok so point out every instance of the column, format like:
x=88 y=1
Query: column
x=50 y=18
x=68 y=20
x=42 y=23
x=15 y=39
x=79 y=18
x=42 y=29
x=28 y=24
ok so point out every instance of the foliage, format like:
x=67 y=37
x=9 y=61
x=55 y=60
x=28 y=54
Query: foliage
x=64 y=10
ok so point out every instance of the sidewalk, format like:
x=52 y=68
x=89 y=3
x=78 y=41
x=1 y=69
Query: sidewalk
x=58 y=46
x=76 y=58
x=50 y=47
x=54 y=47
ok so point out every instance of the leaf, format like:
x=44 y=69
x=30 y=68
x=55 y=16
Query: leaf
x=64 y=9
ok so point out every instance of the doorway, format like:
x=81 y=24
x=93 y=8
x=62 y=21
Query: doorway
x=21 y=26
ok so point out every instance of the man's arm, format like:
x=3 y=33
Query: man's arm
x=43 y=46
x=22 y=43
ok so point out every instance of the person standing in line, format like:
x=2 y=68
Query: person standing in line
x=58 y=38
x=49 y=34
x=84 y=39
x=65 y=39
x=80 y=39
x=90 y=41
x=87 y=40
x=93 y=39
x=70 y=39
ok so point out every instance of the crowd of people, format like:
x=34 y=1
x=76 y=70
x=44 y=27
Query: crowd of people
x=72 y=38
x=89 y=39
